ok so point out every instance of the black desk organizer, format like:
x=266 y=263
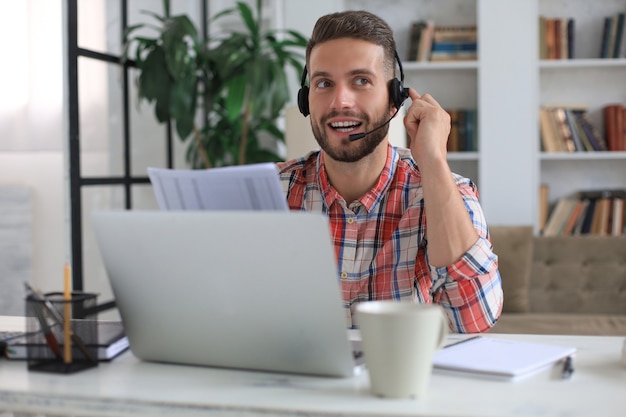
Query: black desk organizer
x=47 y=314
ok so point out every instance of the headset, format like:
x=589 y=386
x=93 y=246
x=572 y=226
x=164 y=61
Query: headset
x=397 y=92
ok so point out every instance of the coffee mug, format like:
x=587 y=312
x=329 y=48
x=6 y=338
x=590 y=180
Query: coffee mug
x=399 y=340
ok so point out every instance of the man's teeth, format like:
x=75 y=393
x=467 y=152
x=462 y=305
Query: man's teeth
x=345 y=126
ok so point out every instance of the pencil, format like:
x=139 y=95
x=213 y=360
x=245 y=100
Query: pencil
x=67 y=312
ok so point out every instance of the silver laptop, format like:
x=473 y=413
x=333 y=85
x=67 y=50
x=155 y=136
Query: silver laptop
x=237 y=289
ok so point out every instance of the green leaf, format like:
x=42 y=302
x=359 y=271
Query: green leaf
x=248 y=17
x=235 y=96
x=154 y=83
x=183 y=104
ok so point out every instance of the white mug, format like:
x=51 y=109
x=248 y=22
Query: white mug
x=399 y=341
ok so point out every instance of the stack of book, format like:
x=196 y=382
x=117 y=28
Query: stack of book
x=463 y=130
x=420 y=40
x=615 y=126
x=612 y=36
x=556 y=38
x=454 y=43
x=566 y=129
x=592 y=212
x=428 y=42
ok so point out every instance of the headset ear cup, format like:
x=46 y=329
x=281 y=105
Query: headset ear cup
x=303 y=100
x=397 y=92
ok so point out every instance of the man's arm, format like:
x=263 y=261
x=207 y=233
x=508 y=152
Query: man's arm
x=466 y=281
x=450 y=232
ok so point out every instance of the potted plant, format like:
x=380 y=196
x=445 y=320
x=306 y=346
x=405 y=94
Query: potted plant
x=224 y=94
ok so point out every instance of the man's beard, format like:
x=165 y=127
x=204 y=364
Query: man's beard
x=356 y=151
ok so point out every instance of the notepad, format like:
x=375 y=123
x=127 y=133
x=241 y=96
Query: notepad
x=112 y=341
x=499 y=358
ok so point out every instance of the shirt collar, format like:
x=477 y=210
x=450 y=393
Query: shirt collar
x=373 y=196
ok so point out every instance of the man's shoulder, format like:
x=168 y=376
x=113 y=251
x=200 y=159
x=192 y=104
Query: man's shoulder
x=297 y=166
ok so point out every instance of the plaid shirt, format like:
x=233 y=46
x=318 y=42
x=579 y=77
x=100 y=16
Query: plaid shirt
x=381 y=247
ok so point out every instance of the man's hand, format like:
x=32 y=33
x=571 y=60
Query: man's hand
x=428 y=127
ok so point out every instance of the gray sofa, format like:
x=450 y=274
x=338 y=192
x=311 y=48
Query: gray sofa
x=561 y=285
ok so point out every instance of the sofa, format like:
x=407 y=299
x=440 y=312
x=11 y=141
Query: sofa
x=561 y=284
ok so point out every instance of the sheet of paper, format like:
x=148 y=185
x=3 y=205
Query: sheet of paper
x=503 y=358
x=245 y=187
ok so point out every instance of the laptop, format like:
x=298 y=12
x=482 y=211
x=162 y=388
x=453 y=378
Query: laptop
x=252 y=290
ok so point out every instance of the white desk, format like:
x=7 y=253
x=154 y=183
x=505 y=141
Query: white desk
x=129 y=387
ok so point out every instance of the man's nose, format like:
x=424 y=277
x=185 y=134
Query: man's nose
x=343 y=97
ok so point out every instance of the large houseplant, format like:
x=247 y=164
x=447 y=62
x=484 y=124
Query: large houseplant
x=225 y=93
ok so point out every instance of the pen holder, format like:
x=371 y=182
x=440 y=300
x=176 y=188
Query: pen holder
x=46 y=336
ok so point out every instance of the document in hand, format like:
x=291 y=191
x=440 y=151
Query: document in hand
x=499 y=358
x=246 y=187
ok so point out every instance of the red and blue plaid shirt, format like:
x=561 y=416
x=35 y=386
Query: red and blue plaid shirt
x=381 y=247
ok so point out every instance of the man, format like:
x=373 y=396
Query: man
x=404 y=227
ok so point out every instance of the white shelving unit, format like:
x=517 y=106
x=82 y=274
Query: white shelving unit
x=507 y=85
x=585 y=80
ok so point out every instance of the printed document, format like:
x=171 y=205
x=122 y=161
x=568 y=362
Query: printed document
x=242 y=187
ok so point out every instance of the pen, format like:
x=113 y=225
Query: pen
x=462 y=341
x=568 y=368
x=51 y=340
x=37 y=295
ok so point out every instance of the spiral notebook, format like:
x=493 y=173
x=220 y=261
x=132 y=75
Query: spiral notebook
x=499 y=358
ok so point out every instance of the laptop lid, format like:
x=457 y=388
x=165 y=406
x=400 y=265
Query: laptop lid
x=236 y=289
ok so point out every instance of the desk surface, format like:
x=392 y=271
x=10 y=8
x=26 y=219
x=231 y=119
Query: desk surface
x=130 y=387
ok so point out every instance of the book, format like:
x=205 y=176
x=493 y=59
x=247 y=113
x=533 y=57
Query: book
x=112 y=341
x=617 y=223
x=414 y=39
x=619 y=34
x=559 y=216
x=613 y=115
x=598 y=142
x=577 y=210
x=606 y=34
x=505 y=359
x=550 y=140
x=565 y=133
x=570 y=37
x=544 y=205
x=426 y=41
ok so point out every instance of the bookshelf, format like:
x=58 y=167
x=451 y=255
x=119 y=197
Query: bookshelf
x=507 y=84
x=584 y=80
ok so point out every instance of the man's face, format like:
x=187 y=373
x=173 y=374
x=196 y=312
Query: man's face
x=348 y=94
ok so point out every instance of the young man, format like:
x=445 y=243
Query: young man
x=404 y=226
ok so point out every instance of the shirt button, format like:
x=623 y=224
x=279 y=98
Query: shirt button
x=344 y=275
x=350 y=220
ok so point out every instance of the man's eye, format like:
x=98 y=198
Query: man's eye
x=361 y=81
x=322 y=84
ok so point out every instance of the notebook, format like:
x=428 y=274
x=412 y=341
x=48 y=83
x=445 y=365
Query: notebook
x=111 y=341
x=497 y=358
x=236 y=289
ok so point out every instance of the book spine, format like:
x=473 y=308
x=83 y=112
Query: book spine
x=606 y=33
x=619 y=33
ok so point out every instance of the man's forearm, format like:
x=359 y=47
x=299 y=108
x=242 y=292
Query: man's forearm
x=450 y=232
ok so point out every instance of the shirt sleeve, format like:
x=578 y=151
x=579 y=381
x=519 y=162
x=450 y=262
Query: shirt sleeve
x=470 y=290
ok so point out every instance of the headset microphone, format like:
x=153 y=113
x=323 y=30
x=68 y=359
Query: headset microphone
x=357 y=136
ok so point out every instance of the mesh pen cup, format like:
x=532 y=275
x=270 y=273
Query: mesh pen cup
x=47 y=337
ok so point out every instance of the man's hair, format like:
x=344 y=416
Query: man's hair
x=355 y=25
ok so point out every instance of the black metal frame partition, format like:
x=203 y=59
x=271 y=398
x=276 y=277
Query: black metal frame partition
x=76 y=180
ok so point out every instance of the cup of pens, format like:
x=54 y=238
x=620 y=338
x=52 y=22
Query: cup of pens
x=61 y=335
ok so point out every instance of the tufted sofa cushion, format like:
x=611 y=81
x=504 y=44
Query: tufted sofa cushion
x=579 y=274
x=514 y=247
